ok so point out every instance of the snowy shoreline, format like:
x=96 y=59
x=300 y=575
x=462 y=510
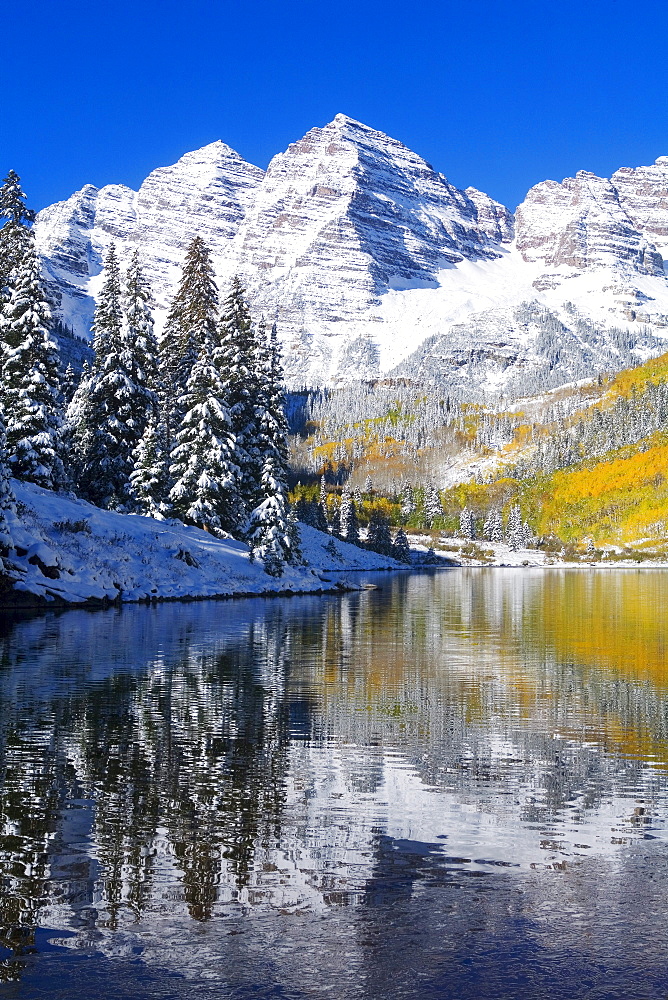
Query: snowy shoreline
x=66 y=552
x=501 y=556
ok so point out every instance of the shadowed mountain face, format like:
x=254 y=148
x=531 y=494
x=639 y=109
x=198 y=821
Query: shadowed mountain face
x=360 y=250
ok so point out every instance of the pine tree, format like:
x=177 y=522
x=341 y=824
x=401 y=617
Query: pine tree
x=466 y=524
x=378 y=537
x=401 y=549
x=323 y=503
x=77 y=435
x=30 y=380
x=15 y=235
x=368 y=485
x=203 y=461
x=514 y=534
x=242 y=361
x=191 y=324
x=272 y=532
x=493 y=526
x=432 y=506
x=7 y=503
x=335 y=523
x=350 y=530
x=120 y=396
x=149 y=480
x=407 y=502
x=69 y=385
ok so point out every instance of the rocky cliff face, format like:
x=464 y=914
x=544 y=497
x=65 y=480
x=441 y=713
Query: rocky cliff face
x=206 y=192
x=582 y=223
x=361 y=251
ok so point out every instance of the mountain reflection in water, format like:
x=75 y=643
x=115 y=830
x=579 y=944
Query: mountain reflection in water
x=451 y=787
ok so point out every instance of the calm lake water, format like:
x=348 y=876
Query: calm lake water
x=454 y=786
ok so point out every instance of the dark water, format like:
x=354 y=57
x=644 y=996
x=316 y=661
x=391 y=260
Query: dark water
x=455 y=786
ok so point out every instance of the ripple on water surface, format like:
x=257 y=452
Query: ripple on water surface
x=454 y=786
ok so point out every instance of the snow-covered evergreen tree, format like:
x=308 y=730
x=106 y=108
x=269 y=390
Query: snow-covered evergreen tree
x=323 y=501
x=432 y=505
x=378 y=537
x=401 y=549
x=493 y=526
x=242 y=360
x=350 y=529
x=30 y=378
x=466 y=524
x=121 y=398
x=368 y=485
x=149 y=479
x=514 y=533
x=272 y=533
x=7 y=502
x=15 y=234
x=69 y=384
x=335 y=523
x=191 y=323
x=203 y=460
x=407 y=501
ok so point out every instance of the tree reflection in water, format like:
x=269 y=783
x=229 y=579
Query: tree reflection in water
x=361 y=760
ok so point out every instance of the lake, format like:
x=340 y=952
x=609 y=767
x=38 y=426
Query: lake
x=453 y=786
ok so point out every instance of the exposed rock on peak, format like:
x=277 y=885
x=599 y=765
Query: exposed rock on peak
x=362 y=251
x=583 y=223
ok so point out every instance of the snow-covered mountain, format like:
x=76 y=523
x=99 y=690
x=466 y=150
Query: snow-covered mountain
x=372 y=262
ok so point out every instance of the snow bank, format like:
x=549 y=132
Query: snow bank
x=68 y=549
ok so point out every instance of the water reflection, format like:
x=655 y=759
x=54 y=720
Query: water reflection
x=327 y=793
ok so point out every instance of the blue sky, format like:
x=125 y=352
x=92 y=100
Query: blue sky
x=495 y=94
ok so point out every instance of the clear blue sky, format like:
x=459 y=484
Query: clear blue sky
x=496 y=94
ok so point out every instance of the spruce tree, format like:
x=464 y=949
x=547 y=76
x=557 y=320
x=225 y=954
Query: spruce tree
x=149 y=480
x=7 y=503
x=15 y=235
x=493 y=526
x=466 y=524
x=432 y=505
x=378 y=537
x=514 y=533
x=121 y=398
x=191 y=323
x=401 y=549
x=407 y=502
x=244 y=364
x=349 y=524
x=30 y=379
x=272 y=533
x=203 y=460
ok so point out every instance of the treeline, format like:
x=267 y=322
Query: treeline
x=597 y=431
x=193 y=427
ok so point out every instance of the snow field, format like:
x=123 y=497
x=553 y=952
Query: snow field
x=67 y=549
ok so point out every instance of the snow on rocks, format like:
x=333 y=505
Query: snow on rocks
x=66 y=549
